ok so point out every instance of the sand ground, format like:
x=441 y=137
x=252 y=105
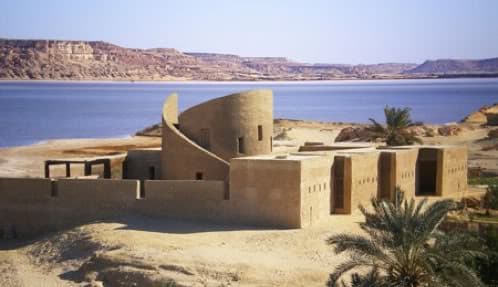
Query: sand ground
x=137 y=251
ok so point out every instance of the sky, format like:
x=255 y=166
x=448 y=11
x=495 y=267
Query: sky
x=313 y=31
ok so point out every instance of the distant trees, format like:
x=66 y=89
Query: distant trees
x=404 y=248
x=395 y=132
x=490 y=199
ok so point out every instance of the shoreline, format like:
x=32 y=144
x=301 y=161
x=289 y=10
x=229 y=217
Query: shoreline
x=277 y=122
x=248 y=82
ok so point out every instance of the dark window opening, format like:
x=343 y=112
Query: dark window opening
x=271 y=144
x=242 y=148
x=152 y=172
x=427 y=172
x=260 y=132
x=198 y=175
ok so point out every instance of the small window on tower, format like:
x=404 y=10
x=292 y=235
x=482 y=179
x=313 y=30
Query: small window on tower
x=198 y=175
x=260 y=132
x=242 y=148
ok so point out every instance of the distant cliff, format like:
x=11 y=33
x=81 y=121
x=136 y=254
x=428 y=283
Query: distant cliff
x=449 y=66
x=95 y=60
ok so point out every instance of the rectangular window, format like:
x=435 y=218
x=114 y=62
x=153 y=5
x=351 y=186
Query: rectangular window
x=242 y=148
x=198 y=175
x=271 y=144
x=260 y=132
x=152 y=172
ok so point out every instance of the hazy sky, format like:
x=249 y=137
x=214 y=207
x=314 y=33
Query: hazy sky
x=323 y=31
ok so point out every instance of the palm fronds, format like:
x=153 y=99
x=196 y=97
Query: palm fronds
x=403 y=247
x=395 y=132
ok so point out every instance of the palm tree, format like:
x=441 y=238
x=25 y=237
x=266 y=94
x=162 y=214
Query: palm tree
x=404 y=248
x=395 y=133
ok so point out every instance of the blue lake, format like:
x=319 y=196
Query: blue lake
x=35 y=111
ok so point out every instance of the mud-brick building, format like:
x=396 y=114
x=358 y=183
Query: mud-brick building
x=217 y=164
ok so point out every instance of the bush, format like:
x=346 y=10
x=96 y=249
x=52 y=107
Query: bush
x=487 y=268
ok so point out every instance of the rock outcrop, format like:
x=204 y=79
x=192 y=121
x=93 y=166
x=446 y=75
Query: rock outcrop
x=94 y=60
x=355 y=134
x=493 y=134
x=487 y=115
x=449 y=130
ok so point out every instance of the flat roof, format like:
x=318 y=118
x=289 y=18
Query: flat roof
x=145 y=149
x=298 y=156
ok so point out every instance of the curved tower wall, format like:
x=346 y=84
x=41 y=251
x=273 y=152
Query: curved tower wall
x=183 y=159
x=232 y=126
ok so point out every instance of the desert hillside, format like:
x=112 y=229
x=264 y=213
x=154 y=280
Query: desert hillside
x=450 y=66
x=96 y=60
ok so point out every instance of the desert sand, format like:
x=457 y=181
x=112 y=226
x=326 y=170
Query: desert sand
x=136 y=251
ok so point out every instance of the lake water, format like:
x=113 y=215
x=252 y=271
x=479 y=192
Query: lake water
x=35 y=111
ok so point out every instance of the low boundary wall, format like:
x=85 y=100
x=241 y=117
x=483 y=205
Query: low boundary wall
x=31 y=206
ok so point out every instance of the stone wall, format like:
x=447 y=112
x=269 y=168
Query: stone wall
x=266 y=192
x=30 y=207
x=453 y=170
x=291 y=192
x=398 y=168
x=25 y=206
x=183 y=159
x=316 y=190
x=143 y=164
x=360 y=179
x=232 y=126
x=184 y=199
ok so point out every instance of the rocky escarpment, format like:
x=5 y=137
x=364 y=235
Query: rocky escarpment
x=487 y=115
x=95 y=60
x=20 y=59
x=451 y=66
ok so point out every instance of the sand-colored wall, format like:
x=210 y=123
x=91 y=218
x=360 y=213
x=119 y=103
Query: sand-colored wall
x=280 y=193
x=184 y=199
x=35 y=206
x=316 y=190
x=452 y=174
x=227 y=119
x=181 y=158
x=401 y=172
x=266 y=192
x=405 y=172
x=139 y=163
x=361 y=180
x=24 y=206
x=89 y=199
